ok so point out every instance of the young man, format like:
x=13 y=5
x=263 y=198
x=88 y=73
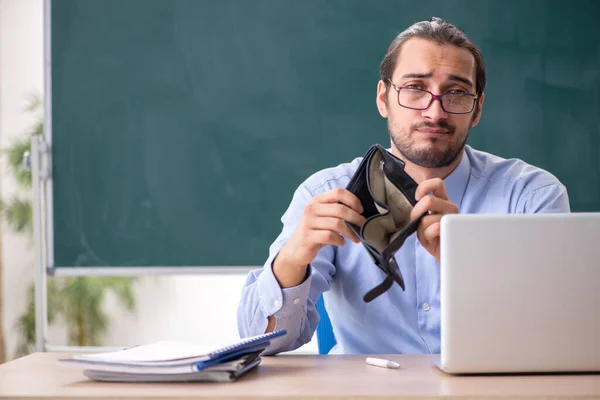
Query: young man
x=432 y=93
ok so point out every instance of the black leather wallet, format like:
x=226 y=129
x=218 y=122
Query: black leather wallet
x=387 y=194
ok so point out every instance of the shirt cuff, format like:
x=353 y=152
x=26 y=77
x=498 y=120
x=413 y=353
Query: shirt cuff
x=282 y=302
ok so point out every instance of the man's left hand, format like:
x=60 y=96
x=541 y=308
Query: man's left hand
x=432 y=199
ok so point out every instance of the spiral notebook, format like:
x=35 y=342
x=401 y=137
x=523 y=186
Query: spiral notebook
x=208 y=375
x=170 y=354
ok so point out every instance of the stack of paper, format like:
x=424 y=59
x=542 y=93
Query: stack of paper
x=175 y=361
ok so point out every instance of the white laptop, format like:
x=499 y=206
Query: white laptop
x=520 y=293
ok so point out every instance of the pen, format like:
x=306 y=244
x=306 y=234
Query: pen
x=379 y=362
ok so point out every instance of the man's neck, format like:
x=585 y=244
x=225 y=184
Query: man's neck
x=420 y=174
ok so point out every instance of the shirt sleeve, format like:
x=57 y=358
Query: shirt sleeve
x=552 y=198
x=293 y=308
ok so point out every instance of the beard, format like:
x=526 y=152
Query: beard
x=429 y=157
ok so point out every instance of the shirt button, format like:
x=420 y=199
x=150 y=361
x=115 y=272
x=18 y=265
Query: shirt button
x=426 y=306
x=277 y=303
x=296 y=300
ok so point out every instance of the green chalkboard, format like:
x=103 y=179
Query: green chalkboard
x=180 y=129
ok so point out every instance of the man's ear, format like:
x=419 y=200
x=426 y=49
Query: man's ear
x=381 y=99
x=477 y=117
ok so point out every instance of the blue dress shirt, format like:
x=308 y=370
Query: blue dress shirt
x=396 y=322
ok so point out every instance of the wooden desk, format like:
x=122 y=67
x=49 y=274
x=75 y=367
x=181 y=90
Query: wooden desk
x=295 y=377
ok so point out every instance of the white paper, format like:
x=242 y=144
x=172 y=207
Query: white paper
x=159 y=351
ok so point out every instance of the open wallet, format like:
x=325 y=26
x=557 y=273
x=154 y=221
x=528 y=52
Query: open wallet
x=387 y=194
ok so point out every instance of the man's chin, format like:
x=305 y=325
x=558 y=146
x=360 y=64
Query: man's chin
x=430 y=155
x=430 y=149
x=431 y=145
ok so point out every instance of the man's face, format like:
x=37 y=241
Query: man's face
x=430 y=138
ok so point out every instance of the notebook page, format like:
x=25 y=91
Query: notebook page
x=170 y=350
x=159 y=351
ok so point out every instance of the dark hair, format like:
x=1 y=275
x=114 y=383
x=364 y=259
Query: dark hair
x=441 y=32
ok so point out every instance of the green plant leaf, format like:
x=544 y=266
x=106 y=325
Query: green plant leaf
x=15 y=154
x=18 y=214
x=82 y=300
x=34 y=103
x=25 y=324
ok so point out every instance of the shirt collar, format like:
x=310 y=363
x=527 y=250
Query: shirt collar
x=456 y=182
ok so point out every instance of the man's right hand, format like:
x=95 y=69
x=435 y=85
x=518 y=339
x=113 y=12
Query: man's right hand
x=323 y=222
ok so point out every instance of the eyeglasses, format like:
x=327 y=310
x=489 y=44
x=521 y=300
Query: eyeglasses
x=420 y=99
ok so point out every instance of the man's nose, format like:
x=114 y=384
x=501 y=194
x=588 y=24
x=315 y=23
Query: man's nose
x=435 y=112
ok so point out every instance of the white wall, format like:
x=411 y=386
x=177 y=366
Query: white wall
x=194 y=308
x=21 y=74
